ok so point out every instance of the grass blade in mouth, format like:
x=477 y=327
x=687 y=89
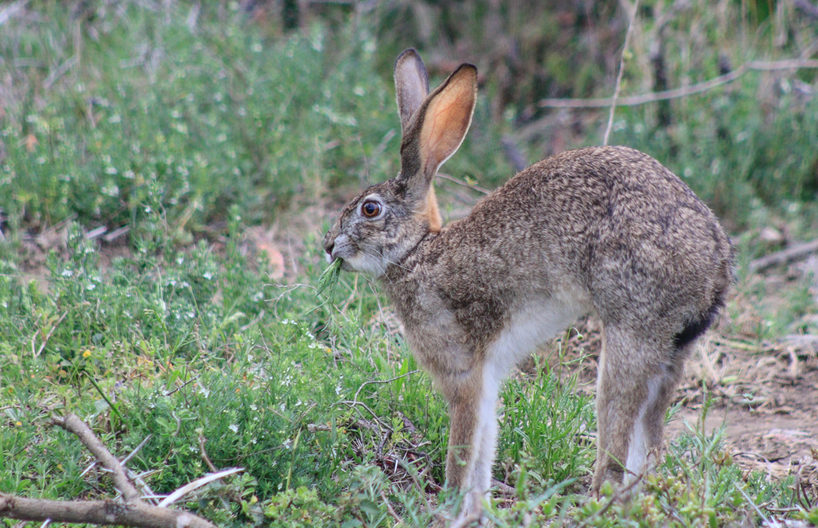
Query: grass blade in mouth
x=329 y=277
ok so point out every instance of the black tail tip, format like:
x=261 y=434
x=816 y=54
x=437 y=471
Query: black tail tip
x=696 y=328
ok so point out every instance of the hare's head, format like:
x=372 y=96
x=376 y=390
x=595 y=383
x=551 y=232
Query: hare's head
x=385 y=222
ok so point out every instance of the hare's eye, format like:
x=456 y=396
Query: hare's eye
x=371 y=209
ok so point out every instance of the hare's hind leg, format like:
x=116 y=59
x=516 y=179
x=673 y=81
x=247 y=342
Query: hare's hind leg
x=472 y=439
x=632 y=384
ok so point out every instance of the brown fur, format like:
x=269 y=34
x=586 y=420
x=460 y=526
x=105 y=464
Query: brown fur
x=602 y=229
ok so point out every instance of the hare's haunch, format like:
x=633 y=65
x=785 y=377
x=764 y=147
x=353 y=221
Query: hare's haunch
x=606 y=230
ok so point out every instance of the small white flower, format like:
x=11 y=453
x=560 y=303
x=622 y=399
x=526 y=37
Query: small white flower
x=234 y=428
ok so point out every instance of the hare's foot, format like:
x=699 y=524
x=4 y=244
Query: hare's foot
x=471 y=511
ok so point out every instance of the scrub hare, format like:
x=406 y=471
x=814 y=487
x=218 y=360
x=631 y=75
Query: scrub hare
x=604 y=229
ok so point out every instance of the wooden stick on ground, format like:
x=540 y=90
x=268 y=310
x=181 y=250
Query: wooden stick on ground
x=791 y=254
x=130 y=512
x=73 y=424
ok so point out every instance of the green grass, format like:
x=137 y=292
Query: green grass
x=190 y=134
x=323 y=407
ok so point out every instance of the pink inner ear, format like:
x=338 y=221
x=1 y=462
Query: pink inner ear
x=447 y=119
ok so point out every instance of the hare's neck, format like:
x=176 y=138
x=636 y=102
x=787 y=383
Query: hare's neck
x=401 y=272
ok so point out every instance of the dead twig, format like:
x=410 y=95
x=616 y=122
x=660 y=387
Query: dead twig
x=105 y=512
x=196 y=484
x=60 y=71
x=464 y=184
x=48 y=336
x=791 y=254
x=676 y=93
x=73 y=424
x=374 y=382
x=132 y=512
x=206 y=459
x=391 y=510
x=632 y=16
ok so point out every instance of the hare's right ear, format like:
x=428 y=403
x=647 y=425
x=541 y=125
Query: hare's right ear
x=411 y=85
x=438 y=128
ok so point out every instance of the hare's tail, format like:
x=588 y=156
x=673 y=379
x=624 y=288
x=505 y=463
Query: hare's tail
x=698 y=326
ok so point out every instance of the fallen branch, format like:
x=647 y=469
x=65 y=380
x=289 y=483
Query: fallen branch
x=791 y=254
x=676 y=93
x=196 y=484
x=130 y=512
x=107 y=512
x=73 y=424
x=632 y=15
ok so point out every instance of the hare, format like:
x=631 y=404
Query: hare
x=603 y=229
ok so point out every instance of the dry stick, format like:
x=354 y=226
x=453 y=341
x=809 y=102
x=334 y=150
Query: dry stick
x=206 y=458
x=791 y=254
x=102 y=512
x=464 y=184
x=676 y=93
x=621 y=70
x=48 y=336
x=134 y=512
x=391 y=510
x=73 y=424
x=374 y=382
x=196 y=484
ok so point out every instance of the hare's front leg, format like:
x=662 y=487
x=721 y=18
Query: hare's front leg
x=472 y=440
x=635 y=385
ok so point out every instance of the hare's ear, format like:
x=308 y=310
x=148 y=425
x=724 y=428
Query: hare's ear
x=444 y=119
x=411 y=84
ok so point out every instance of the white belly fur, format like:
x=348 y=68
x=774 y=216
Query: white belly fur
x=530 y=327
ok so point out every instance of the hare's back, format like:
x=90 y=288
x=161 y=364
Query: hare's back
x=633 y=232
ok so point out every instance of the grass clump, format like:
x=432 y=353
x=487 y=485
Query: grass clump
x=329 y=277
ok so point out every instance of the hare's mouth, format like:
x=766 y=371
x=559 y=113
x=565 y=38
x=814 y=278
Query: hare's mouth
x=343 y=263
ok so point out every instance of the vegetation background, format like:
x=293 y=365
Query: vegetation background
x=167 y=170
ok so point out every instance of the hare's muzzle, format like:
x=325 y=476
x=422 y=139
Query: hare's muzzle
x=328 y=247
x=329 y=243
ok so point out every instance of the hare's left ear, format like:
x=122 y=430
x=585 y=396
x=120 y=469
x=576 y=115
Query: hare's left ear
x=411 y=85
x=446 y=117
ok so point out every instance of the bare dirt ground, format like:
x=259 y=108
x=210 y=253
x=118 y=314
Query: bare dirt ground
x=765 y=394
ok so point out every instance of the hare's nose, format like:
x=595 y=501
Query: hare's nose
x=329 y=245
